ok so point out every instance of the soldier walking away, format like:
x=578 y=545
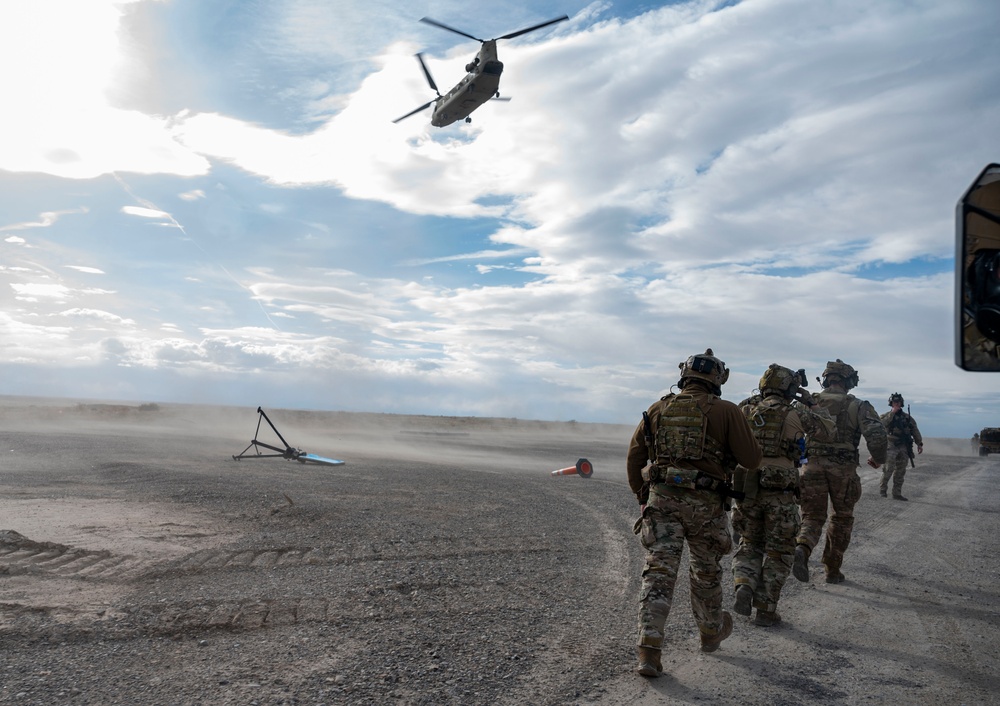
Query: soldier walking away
x=831 y=476
x=902 y=431
x=693 y=441
x=767 y=518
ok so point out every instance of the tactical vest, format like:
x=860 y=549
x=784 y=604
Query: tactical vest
x=681 y=434
x=898 y=427
x=843 y=444
x=768 y=425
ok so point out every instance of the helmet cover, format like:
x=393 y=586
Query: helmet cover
x=779 y=379
x=704 y=367
x=896 y=397
x=842 y=370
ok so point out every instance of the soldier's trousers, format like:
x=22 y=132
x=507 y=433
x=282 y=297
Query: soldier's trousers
x=895 y=468
x=768 y=526
x=672 y=517
x=824 y=483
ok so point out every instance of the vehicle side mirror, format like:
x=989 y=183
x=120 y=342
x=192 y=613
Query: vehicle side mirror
x=977 y=274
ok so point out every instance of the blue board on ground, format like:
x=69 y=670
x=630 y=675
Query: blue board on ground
x=313 y=458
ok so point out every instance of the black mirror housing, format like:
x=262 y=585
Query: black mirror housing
x=977 y=274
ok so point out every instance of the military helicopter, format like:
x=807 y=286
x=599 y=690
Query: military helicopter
x=480 y=84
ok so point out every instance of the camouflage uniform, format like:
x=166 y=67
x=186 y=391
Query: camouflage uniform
x=767 y=519
x=902 y=433
x=681 y=502
x=831 y=476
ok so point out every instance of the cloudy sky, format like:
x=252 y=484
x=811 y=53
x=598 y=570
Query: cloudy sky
x=207 y=201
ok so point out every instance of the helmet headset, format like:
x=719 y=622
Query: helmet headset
x=704 y=367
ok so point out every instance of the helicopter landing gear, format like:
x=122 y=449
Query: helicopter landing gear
x=468 y=120
x=498 y=94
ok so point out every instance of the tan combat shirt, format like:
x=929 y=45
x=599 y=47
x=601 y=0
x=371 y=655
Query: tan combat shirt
x=862 y=420
x=725 y=423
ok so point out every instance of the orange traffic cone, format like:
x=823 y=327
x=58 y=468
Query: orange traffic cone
x=583 y=468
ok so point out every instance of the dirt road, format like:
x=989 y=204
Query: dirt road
x=442 y=564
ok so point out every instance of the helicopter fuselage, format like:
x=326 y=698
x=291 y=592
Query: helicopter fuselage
x=479 y=85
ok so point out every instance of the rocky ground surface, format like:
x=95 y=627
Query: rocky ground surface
x=140 y=564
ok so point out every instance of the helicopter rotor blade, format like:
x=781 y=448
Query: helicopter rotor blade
x=427 y=73
x=441 y=25
x=414 y=111
x=519 y=32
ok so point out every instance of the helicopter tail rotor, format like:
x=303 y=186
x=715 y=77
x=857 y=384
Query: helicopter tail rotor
x=414 y=111
x=430 y=80
x=427 y=73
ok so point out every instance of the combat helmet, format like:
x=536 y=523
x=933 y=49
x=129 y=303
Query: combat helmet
x=841 y=370
x=781 y=380
x=896 y=397
x=704 y=367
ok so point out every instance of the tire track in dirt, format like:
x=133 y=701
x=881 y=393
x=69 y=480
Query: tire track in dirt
x=399 y=600
x=592 y=643
x=20 y=555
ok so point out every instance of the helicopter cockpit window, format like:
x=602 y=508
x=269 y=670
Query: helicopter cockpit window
x=977 y=276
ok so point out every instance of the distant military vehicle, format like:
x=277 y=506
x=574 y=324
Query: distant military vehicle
x=989 y=441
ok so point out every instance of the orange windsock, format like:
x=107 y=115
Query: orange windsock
x=583 y=468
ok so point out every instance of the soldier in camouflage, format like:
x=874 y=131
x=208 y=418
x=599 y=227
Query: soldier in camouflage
x=902 y=431
x=692 y=440
x=767 y=518
x=831 y=476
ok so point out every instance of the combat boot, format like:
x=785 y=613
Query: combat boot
x=882 y=492
x=710 y=643
x=767 y=618
x=744 y=599
x=898 y=496
x=800 y=567
x=834 y=576
x=649 y=662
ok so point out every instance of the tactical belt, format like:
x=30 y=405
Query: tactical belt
x=836 y=454
x=684 y=478
x=679 y=478
x=788 y=489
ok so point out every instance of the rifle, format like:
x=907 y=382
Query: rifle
x=904 y=433
x=909 y=442
x=648 y=435
x=649 y=471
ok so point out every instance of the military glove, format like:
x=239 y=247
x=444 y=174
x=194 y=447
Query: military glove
x=803 y=396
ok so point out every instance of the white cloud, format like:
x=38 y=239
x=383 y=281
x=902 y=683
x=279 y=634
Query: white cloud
x=759 y=178
x=57 y=116
x=97 y=314
x=33 y=291
x=46 y=220
x=144 y=212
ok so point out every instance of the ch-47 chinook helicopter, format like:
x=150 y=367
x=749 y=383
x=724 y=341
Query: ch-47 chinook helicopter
x=480 y=84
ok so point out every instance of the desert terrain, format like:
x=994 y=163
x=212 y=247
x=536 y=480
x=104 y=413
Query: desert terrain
x=443 y=563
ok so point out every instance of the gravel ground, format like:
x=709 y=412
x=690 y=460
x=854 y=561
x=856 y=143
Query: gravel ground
x=139 y=564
